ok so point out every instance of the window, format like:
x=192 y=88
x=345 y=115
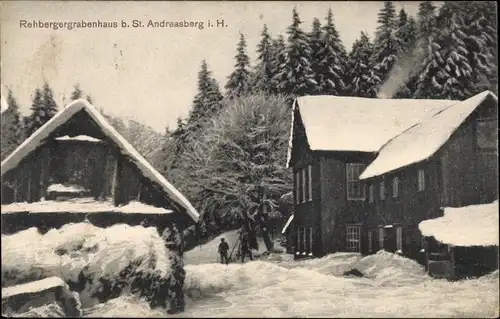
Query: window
x=423 y=244
x=297 y=247
x=421 y=180
x=304 y=247
x=310 y=241
x=304 y=181
x=370 y=193
x=395 y=187
x=353 y=238
x=297 y=185
x=301 y=241
x=355 y=187
x=309 y=184
x=486 y=133
x=370 y=240
x=382 y=190
x=399 y=238
x=381 y=238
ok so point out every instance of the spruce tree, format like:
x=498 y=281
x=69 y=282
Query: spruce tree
x=385 y=43
x=455 y=77
x=43 y=108
x=12 y=127
x=424 y=78
x=278 y=65
x=315 y=41
x=480 y=26
x=264 y=68
x=49 y=101
x=332 y=60
x=239 y=81
x=207 y=100
x=406 y=36
x=77 y=92
x=37 y=117
x=298 y=74
x=406 y=32
x=362 y=81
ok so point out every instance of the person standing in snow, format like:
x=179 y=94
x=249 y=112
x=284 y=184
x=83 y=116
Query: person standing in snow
x=244 y=246
x=174 y=243
x=223 y=250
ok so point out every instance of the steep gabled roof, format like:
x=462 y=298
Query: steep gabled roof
x=340 y=123
x=63 y=116
x=3 y=104
x=423 y=139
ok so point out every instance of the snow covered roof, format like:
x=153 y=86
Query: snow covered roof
x=340 y=123
x=474 y=225
x=422 y=140
x=81 y=205
x=288 y=222
x=84 y=138
x=32 y=287
x=39 y=136
x=3 y=104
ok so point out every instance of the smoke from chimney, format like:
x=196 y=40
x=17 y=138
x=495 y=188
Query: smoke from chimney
x=401 y=71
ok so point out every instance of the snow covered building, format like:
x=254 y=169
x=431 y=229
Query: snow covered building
x=463 y=242
x=77 y=167
x=368 y=171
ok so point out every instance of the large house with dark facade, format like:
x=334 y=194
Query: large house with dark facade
x=368 y=171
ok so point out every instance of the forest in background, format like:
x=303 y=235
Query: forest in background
x=228 y=155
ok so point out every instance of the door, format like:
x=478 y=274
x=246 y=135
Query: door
x=390 y=239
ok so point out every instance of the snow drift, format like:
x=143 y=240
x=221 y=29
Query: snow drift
x=98 y=263
x=394 y=286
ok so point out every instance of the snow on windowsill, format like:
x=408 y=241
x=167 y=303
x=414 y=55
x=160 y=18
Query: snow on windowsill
x=82 y=205
x=85 y=138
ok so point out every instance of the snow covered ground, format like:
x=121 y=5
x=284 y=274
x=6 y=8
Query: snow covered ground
x=274 y=286
x=207 y=253
x=279 y=287
x=83 y=249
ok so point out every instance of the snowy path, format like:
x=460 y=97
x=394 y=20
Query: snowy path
x=397 y=287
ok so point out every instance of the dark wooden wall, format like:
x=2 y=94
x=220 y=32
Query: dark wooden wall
x=336 y=210
x=305 y=214
x=470 y=173
x=105 y=170
x=409 y=208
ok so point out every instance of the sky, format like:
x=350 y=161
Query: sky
x=149 y=74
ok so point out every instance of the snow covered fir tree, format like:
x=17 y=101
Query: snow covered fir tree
x=322 y=164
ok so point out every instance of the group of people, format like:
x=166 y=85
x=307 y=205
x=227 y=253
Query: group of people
x=243 y=251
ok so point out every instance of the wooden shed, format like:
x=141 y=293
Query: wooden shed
x=78 y=166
